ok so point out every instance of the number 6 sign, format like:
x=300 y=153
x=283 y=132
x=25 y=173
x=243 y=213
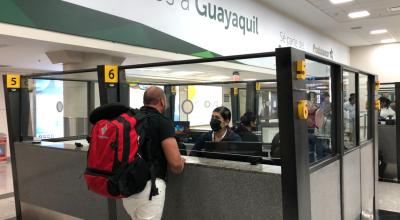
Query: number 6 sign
x=110 y=74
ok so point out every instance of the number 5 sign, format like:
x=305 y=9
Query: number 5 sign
x=13 y=81
x=110 y=74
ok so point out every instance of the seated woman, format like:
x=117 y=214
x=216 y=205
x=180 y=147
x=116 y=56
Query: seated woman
x=219 y=123
x=247 y=124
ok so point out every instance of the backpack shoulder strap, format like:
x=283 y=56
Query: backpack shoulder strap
x=142 y=119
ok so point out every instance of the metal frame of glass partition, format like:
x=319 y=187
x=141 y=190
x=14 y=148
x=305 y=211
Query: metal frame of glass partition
x=396 y=91
x=295 y=169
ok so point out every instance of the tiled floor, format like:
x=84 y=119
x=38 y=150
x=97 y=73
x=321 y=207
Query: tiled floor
x=7 y=205
x=388 y=194
x=6 y=184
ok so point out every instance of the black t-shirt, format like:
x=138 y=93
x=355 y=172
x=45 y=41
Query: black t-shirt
x=160 y=128
x=245 y=134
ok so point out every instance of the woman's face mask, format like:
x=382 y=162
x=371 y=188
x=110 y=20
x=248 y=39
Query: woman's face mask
x=215 y=124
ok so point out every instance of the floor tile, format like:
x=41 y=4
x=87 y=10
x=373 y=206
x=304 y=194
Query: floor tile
x=7 y=207
x=6 y=183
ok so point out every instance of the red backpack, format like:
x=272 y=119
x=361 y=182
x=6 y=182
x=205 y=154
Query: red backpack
x=115 y=167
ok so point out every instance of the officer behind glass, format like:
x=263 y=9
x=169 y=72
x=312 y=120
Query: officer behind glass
x=220 y=130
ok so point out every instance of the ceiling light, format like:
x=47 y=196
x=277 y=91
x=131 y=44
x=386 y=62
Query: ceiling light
x=356 y=28
x=340 y=1
x=380 y=31
x=394 y=9
x=156 y=69
x=387 y=41
x=216 y=78
x=185 y=73
x=359 y=14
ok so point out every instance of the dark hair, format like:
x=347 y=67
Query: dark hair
x=352 y=97
x=247 y=118
x=224 y=111
x=385 y=100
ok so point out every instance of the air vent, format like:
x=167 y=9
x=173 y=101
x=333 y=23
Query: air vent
x=356 y=28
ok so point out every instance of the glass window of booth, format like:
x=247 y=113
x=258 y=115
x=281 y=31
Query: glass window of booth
x=319 y=98
x=60 y=105
x=387 y=97
x=136 y=92
x=363 y=89
x=349 y=109
x=196 y=97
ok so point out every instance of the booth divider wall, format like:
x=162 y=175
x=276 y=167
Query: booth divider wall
x=389 y=132
x=307 y=185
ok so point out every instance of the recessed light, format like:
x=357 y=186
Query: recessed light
x=380 y=31
x=394 y=9
x=359 y=14
x=356 y=28
x=340 y=1
x=184 y=73
x=387 y=41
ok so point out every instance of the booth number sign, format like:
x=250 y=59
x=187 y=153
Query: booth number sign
x=13 y=81
x=110 y=74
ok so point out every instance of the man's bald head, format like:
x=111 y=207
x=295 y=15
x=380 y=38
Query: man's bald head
x=153 y=96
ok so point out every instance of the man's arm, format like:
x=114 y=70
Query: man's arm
x=171 y=151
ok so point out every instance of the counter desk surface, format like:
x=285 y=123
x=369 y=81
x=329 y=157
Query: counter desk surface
x=196 y=161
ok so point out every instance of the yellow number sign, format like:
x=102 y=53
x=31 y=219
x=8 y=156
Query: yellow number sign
x=13 y=81
x=258 y=86
x=302 y=109
x=110 y=74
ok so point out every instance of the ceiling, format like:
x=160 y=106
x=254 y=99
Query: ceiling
x=332 y=20
x=27 y=56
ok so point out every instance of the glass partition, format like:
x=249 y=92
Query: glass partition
x=363 y=103
x=136 y=92
x=319 y=122
x=349 y=109
x=201 y=88
x=387 y=97
x=60 y=105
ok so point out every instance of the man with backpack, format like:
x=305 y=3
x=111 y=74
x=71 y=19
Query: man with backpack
x=165 y=152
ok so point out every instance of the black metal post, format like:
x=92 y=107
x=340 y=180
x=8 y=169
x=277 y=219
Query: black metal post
x=169 y=112
x=13 y=110
x=112 y=93
x=397 y=101
x=235 y=105
x=373 y=134
x=337 y=124
x=251 y=97
x=357 y=91
x=91 y=102
x=294 y=147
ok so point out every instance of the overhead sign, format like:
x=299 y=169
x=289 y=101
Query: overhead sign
x=13 y=81
x=232 y=26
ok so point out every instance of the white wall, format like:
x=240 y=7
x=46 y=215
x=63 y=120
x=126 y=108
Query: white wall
x=3 y=116
x=378 y=59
